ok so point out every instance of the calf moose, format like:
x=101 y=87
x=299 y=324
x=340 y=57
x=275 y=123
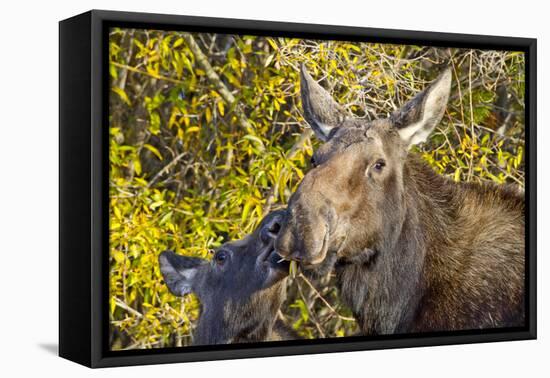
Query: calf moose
x=413 y=251
x=240 y=290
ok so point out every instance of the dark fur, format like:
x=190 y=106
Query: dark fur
x=415 y=251
x=240 y=298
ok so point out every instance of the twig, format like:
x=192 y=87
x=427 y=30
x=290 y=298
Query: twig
x=224 y=92
x=207 y=219
x=153 y=75
x=124 y=75
x=472 y=126
x=124 y=306
x=165 y=169
x=312 y=316
x=332 y=309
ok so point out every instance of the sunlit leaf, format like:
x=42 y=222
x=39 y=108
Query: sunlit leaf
x=122 y=94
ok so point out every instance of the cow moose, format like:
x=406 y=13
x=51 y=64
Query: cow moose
x=240 y=290
x=413 y=251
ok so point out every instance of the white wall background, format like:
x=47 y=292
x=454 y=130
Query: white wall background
x=29 y=186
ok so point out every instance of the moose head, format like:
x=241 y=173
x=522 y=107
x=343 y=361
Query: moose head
x=240 y=289
x=354 y=199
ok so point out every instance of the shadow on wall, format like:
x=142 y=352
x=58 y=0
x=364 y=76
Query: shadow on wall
x=52 y=348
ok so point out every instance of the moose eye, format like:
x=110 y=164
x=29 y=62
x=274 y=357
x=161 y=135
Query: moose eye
x=379 y=165
x=313 y=162
x=220 y=257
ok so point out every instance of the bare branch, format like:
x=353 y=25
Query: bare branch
x=222 y=89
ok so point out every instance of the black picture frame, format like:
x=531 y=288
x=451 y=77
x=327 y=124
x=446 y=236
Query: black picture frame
x=84 y=170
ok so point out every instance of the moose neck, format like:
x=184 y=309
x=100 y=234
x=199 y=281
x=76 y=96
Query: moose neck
x=393 y=284
x=256 y=317
x=415 y=266
x=239 y=320
x=210 y=328
x=241 y=330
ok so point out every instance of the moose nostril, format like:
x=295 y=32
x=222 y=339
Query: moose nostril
x=274 y=228
x=271 y=229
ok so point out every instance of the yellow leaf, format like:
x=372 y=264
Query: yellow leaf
x=118 y=215
x=457 y=175
x=137 y=165
x=113 y=71
x=112 y=305
x=156 y=204
x=178 y=43
x=123 y=96
x=255 y=139
x=246 y=210
x=192 y=129
x=272 y=43
x=118 y=256
x=220 y=108
x=153 y=150
x=152 y=69
x=269 y=60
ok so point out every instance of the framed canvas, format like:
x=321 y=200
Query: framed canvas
x=234 y=188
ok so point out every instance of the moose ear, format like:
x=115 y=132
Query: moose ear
x=418 y=117
x=321 y=112
x=179 y=272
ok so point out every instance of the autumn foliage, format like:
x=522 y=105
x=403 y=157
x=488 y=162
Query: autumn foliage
x=207 y=136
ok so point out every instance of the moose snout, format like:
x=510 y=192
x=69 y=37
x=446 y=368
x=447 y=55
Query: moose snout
x=307 y=244
x=294 y=254
x=304 y=236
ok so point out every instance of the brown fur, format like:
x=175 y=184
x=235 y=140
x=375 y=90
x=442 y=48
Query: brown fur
x=466 y=272
x=413 y=251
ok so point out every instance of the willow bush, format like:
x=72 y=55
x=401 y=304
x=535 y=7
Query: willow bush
x=207 y=136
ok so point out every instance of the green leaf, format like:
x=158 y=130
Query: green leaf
x=304 y=312
x=166 y=218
